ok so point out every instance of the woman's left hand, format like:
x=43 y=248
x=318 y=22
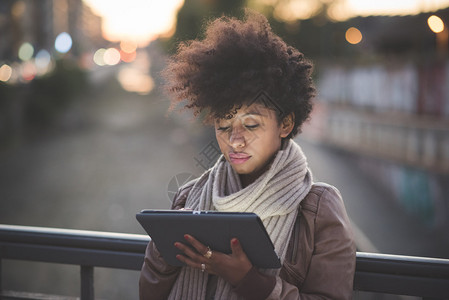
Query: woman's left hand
x=231 y=267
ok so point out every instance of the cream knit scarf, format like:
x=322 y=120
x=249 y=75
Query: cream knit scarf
x=274 y=197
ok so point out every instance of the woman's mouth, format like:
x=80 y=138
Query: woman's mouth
x=238 y=158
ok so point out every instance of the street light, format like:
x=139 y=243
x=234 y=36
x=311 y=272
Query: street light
x=353 y=36
x=442 y=34
x=435 y=23
x=63 y=42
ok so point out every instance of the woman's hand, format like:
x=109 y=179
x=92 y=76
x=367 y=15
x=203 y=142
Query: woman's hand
x=231 y=267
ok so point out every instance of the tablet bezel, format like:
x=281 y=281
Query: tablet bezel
x=213 y=229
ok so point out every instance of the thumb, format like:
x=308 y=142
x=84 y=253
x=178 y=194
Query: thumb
x=236 y=247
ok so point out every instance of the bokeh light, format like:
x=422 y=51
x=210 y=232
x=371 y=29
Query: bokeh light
x=99 y=57
x=128 y=47
x=111 y=56
x=138 y=20
x=128 y=57
x=28 y=71
x=353 y=36
x=289 y=11
x=5 y=72
x=26 y=51
x=18 y=9
x=435 y=23
x=134 y=80
x=128 y=51
x=396 y=7
x=42 y=61
x=63 y=42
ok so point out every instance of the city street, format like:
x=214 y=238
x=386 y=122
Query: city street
x=115 y=153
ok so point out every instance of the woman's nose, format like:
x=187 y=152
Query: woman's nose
x=237 y=138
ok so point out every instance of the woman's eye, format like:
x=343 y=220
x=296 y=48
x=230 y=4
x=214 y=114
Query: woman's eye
x=223 y=128
x=252 y=126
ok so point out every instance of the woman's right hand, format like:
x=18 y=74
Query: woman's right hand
x=231 y=267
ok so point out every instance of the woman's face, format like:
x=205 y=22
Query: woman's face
x=250 y=140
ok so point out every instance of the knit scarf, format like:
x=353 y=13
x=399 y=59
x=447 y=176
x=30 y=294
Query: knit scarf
x=275 y=197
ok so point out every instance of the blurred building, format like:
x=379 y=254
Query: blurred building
x=389 y=107
x=40 y=22
x=395 y=118
x=34 y=83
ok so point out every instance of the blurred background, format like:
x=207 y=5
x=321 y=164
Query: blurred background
x=86 y=140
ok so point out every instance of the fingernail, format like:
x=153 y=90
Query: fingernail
x=186 y=236
x=177 y=245
x=235 y=242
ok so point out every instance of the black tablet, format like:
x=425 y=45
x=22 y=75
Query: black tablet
x=213 y=229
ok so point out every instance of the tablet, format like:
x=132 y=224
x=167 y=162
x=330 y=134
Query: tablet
x=213 y=229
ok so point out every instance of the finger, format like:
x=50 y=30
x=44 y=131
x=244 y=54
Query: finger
x=188 y=251
x=202 y=249
x=188 y=261
x=193 y=264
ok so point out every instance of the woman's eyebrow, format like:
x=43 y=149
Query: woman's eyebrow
x=255 y=112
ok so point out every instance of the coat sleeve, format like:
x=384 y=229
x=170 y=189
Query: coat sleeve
x=332 y=251
x=331 y=271
x=157 y=277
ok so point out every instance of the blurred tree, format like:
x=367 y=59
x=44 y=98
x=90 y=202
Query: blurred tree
x=317 y=27
x=309 y=25
x=194 y=15
x=50 y=94
x=293 y=10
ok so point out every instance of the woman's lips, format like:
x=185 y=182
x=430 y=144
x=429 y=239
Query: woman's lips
x=238 y=158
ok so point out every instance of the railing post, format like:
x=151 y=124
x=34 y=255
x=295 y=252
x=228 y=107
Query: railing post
x=87 y=283
x=1 y=271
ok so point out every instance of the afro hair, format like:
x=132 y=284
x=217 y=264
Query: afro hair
x=239 y=62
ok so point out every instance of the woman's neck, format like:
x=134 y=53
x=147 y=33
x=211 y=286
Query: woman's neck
x=247 y=179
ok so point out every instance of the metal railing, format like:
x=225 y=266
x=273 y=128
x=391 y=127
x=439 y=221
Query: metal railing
x=390 y=274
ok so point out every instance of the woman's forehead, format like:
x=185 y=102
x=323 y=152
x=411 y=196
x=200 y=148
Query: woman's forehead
x=254 y=109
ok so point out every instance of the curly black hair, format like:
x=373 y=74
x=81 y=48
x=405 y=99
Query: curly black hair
x=239 y=62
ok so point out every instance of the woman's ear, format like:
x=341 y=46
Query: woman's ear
x=287 y=124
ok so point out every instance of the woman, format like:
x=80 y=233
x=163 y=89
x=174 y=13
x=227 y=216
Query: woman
x=257 y=91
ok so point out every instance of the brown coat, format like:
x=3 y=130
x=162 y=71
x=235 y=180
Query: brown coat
x=320 y=261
